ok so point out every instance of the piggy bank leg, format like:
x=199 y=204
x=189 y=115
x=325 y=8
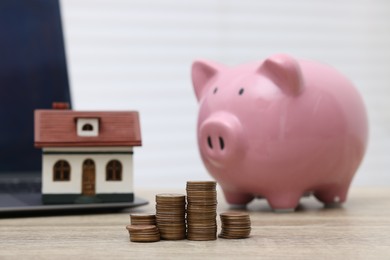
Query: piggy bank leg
x=332 y=196
x=237 y=198
x=284 y=202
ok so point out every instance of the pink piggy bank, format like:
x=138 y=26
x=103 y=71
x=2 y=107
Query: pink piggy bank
x=279 y=129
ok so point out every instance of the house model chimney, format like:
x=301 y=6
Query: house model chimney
x=60 y=105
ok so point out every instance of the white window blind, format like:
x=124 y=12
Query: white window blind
x=136 y=55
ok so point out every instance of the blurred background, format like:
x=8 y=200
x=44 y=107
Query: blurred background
x=137 y=55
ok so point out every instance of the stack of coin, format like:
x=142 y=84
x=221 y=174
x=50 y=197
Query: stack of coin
x=142 y=219
x=170 y=216
x=143 y=233
x=201 y=210
x=235 y=225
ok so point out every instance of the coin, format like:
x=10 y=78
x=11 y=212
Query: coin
x=143 y=233
x=142 y=219
x=170 y=216
x=174 y=221
x=235 y=225
x=201 y=210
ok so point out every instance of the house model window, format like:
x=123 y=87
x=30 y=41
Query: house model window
x=87 y=126
x=114 y=171
x=61 y=171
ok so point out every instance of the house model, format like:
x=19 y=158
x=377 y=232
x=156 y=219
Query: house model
x=87 y=157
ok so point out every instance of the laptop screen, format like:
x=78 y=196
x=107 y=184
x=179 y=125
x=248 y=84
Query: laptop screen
x=33 y=74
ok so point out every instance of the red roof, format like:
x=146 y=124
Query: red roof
x=58 y=128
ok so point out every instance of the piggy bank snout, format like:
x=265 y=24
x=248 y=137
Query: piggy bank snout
x=221 y=139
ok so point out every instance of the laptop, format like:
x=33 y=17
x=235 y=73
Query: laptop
x=33 y=75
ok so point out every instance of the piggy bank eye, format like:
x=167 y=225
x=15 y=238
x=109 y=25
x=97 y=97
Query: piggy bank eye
x=215 y=90
x=241 y=91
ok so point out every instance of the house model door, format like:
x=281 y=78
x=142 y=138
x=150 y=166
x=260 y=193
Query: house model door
x=88 y=186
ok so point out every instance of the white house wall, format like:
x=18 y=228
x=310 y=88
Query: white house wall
x=74 y=185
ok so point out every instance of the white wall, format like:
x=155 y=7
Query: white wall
x=73 y=186
x=136 y=54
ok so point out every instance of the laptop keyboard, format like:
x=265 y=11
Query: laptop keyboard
x=20 y=187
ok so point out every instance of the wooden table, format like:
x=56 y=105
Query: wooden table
x=359 y=230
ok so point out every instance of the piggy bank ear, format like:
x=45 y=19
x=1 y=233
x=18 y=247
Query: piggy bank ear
x=203 y=72
x=285 y=72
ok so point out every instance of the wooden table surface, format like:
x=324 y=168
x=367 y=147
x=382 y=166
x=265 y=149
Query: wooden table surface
x=358 y=230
